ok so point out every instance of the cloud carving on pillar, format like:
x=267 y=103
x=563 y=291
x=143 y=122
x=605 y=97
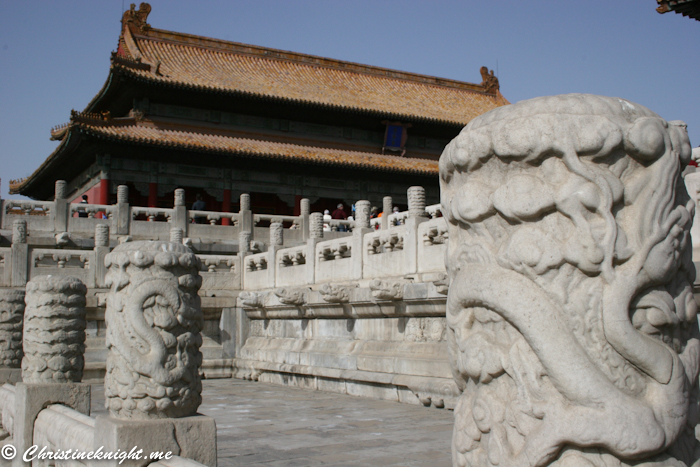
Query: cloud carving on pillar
x=54 y=330
x=11 y=321
x=572 y=327
x=154 y=321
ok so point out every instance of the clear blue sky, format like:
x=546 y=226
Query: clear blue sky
x=54 y=56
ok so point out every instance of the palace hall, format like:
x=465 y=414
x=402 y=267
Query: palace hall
x=221 y=118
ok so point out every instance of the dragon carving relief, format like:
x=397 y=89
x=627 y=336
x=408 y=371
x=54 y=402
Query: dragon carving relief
x=336 y=293
x=154 y=322
x=572 y=329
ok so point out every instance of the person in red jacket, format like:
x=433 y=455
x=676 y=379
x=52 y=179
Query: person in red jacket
x=339 y=213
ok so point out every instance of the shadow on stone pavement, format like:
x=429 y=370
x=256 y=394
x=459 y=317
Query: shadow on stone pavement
x=262 y=424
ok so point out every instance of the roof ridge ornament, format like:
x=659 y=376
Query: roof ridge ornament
x=78 y=117
x=137 y=18
x=14 y=184
x=489 y=81
x=59 y=131
x=131 y=62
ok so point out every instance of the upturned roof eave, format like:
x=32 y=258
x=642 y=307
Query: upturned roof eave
x=104 y=92
x=27 y=188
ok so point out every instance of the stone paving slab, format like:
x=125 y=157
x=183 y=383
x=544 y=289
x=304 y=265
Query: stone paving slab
x=265 y=425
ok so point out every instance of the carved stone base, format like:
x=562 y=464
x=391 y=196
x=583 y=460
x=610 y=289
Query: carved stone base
x=30 y=399
x=190 y=437
x=217 y=368
x=428 y=391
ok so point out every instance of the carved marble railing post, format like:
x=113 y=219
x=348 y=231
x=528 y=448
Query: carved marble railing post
x=179 y=199
x=362 y=208
x=315 y=236
x=54 y=344
x=388 y=206
x=180 y=216
x=54 y=330
x=122 y=216
x=11 y=320
x=362 y=226
x=276 y=243
x=305 y=206
x=316 y=225
x=416 y=216
x=244 y=239
x=60 y=212
x=154 y=321
x=244 y=249
x=101 y=250
x=246 y=215
x=245 y=202
x=276 y=234
x=304 y=212
x=19 y=231
x=176 y=235
x=60 y=190
x=246 y=221
x=416 y=202
x=20 y=253
x=122 y=194
x=573 y=329
x=102 y=235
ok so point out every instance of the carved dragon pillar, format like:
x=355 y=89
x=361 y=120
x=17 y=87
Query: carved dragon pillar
x=154 y=321
x=572 y=325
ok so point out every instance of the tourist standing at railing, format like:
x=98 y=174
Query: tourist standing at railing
x=326 y=220
x=374 y=214
x=339 y=214
x=397 y=220
x=83 y=212
x=199 y=205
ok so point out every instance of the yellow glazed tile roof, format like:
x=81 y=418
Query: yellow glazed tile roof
x=188 y=61
x=130 y=131
x=256 y=148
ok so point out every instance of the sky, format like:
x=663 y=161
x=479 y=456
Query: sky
x=54 y=55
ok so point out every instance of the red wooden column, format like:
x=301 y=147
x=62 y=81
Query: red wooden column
x=103 y=193
x=226 y=206
x=297 y=204
x=153 y=195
